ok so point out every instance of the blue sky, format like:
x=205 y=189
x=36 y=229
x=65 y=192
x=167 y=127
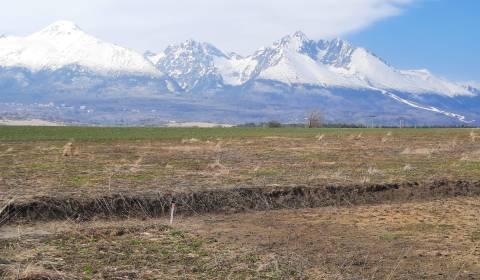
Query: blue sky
x=439 y=35
x=442 y=36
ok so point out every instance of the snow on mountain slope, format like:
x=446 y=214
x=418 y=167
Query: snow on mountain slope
x=63 y=44
x=293 y=61
x=377 y=73
x=154 y=58
x=472 y=86
x=336 y=63
x=191 y=64
x=235 y=70
x=459 y=117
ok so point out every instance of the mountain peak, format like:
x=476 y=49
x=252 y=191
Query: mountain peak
x=195 y=49
x=191 y=42
x=61 y=27
x=300 y=35
x=63 y=44
x=296 y=41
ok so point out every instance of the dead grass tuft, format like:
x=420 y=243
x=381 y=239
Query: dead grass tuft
x=387 y=137
x=70 y=150
x=365 y=180
x=449 y=146
x=417 y=151
x=136 y=165
x=190 y=141
x=218 y=168
x=356 y=137
x=474 y=136
x=320 y=137
x=471 y=156
x=32 y=272
x=407 y=167
x=218 y=147
x=373 y=171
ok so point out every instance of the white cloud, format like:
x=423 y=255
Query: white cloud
x=237 y=25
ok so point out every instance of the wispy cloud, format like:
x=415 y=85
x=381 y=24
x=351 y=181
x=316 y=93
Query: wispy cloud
x=239 y=25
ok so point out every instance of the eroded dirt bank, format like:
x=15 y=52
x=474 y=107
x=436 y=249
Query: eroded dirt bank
x=230 y=201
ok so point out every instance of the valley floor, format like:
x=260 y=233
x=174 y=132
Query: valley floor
x=149 y=160
x=408 y=203
x=420 y=240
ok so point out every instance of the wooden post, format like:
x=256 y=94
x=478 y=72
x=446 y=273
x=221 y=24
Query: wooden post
x=172 y=211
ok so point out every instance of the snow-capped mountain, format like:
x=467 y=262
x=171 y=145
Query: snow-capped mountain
x=194 y=81
x=191 y=64
x=296 y=59
x=63 y=44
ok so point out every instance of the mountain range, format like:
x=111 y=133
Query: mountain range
x=63 y=74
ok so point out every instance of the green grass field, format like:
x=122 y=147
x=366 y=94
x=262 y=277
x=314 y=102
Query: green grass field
x=24 y=133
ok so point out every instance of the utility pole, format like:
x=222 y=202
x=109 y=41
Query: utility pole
x=402 y=122
x=371 y=120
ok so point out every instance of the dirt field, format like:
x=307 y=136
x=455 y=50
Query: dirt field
x=396 y=204
x=32 y=168
x=428 y=240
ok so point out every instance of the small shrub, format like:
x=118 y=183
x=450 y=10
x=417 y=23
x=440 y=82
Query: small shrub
x=274 y=124
x=88 y=269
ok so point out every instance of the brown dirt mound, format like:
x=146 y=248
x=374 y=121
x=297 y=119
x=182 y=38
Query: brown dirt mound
x=229 y=201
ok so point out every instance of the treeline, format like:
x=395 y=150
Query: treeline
x=276 y=124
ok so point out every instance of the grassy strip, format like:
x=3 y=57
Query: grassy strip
x=23 y=133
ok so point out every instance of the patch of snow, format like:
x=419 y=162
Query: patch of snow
x=32 y=122
x=380 y=75
x=197 y=124
x=428 y=108
x=234 y=71
x=296 y=68
x=155 y=58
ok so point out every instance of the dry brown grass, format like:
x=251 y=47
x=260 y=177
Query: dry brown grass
x=418 y=151
x=387 y=137
x=134 y=250
x=408 y=167
x=320 y=137
x=416 y=240
x=33 y=272
x=136 y=166
x=190 y=141
x=474 y=136
x=471 y=156
x=218 y=169
x=373 y=171
x=126 y=166
x=70 y=150
x=355 y=137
